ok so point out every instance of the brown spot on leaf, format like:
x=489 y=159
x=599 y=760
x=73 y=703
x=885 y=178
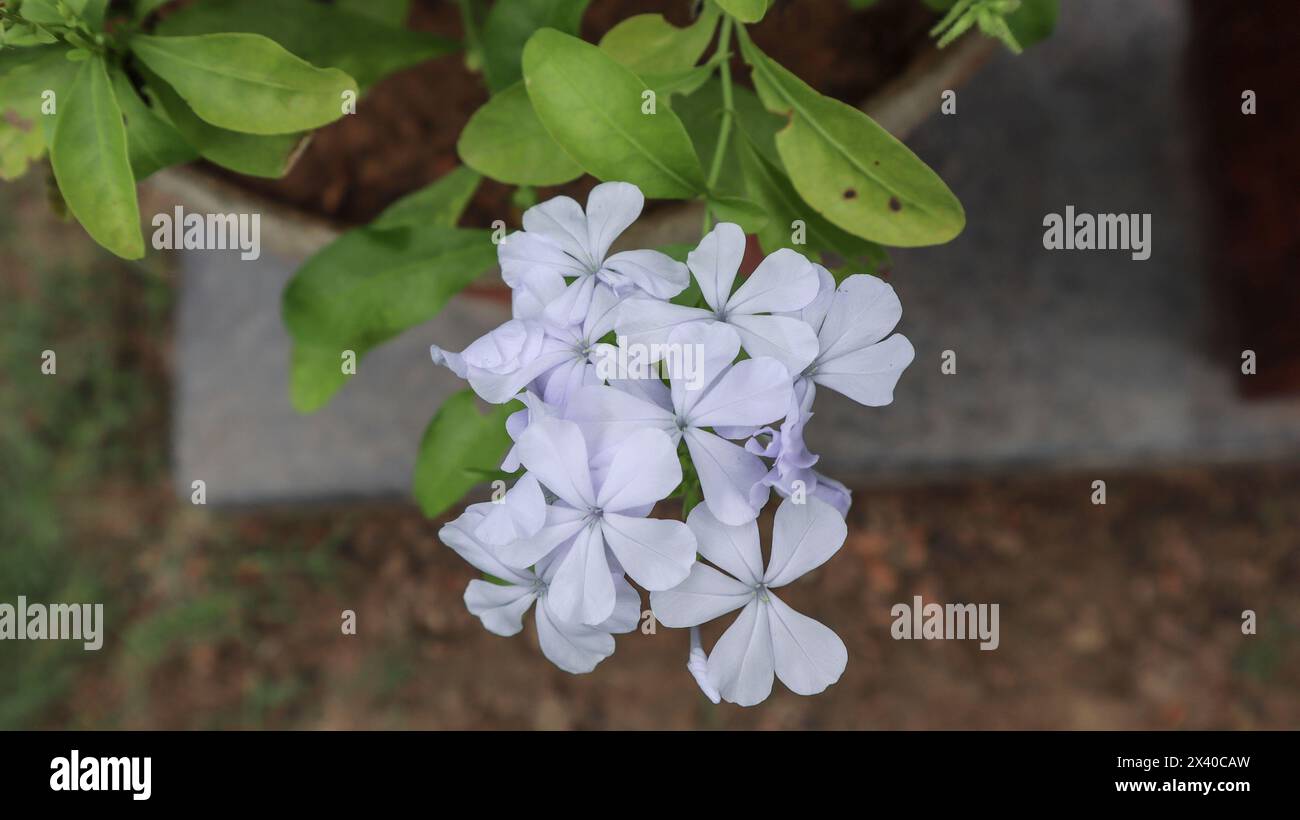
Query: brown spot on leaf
x=849 y=193
x=894 y=204
x=11 y=116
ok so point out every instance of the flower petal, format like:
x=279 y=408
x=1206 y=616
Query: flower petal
x=645 y=321
x=644 y=469
x=561 y=222
x=570 y=308
x=534 y=290
x=500 y=607
x=601 y=316
x=627 y=607
x=833 y=493
x=734 y=548
x=804 y=536
x=789 y=341
x=611 y=208
x=657 y=554
x=553 y=450
x=573 y=647
x=784 y=281
x=520 y=514
x=608 y=416
x=814 y=313
x=715 y=262
x=751 y=392
x=561 y=524
x=651 y=272
x=697 y=663
x=808 y=655
x=526 y=254
x=459 y=536
x=704 y=595
x=727 y=472
x=581 y=589
x=741 y=665
x=864 y=310
x=700 y=353
x=867 y=375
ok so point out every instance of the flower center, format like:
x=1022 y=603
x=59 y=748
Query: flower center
x=761 y=592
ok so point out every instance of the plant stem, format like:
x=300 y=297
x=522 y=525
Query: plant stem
x=724 y=129
x=473 y=48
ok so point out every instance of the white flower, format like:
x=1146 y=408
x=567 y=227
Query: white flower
x=601 y=509
x=852 y=321
x=499 y=364
x=554 y=359
x=741 y=395
x=697 y=663
x=560 y=241
x=583 y=348
x=575 y=648
x=768 y=636
x=792 y=461
x=783 y=282
x=520 y=514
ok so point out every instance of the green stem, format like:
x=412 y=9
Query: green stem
x=473 y=47
x=724 y=130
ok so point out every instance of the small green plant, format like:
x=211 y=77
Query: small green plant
x=114 y=92
x=652 y=104
x=1018 y=24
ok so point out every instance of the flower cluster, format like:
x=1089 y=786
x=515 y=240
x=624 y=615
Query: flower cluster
x=600 y=445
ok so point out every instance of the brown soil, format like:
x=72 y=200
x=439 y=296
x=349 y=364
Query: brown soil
x=1125 y=616
x=404 y=136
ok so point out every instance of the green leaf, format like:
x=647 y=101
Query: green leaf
x=25 y=75
x=152 y=142
x=392 y=12
x=365 y=288
x=850 y=169
x=681 y=82
x=269 y=157
x=592 y=107
x=752 y=218
x=505 y=140
x=41 y=11
x=770 y=188
x=746 y=11
x=91 y=163
x=323 y=35
x=20 y=145
x=24 y=34
x=91 y=11
x=458 y=447
x=439 y=204
x=143 y=8
x=508 y=27
x=701 y=113
x=648 y=44
x=1034 y=21
x=246 y=82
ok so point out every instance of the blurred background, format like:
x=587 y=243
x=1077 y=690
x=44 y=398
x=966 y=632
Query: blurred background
x=975 y=486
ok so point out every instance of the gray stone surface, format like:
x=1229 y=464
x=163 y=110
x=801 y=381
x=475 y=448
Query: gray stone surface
x=1065 y=359
x=234 y=426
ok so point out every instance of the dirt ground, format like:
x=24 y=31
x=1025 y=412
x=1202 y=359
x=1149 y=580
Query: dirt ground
x=1126 y=616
